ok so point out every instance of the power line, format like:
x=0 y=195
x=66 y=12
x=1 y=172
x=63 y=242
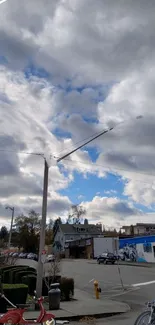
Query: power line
x=83 y=140
x=97 y=134
x=23 y=152
x=109 y=170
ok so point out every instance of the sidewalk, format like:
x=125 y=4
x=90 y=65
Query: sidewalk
x=85 y=305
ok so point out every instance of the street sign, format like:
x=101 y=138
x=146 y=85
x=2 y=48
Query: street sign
x=43 y=256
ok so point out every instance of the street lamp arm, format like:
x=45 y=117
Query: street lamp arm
x=94 y=138
x=84 y=144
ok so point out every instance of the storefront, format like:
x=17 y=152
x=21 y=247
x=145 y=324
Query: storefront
x=82 y=248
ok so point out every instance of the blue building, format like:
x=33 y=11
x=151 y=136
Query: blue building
x=138 y=249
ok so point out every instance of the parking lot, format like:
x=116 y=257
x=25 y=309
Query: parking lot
x=85 y=272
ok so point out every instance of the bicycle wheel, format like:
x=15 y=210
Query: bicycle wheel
x=144 y=319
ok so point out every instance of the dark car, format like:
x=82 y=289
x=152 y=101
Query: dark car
x=106 y=258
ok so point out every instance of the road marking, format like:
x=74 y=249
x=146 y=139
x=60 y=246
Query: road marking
x=143 y=283
x=119 y=294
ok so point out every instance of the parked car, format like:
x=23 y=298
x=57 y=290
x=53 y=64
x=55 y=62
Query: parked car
x=106 y=258
x=15 y=254
x=10 y=254
x=22 y=255
x=50 y=258
x=32 y=256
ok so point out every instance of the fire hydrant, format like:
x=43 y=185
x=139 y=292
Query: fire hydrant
x=97 y=290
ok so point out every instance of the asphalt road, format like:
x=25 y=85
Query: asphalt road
x=85 y=272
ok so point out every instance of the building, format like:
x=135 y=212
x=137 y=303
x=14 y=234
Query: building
x=138 y=249
x=71 y=232
x=91 y=247
x=139 y=229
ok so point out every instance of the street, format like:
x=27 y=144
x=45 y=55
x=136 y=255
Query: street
x=85 y=272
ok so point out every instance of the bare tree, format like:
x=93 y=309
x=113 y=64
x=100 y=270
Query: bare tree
x=51 y=271
x=77 y=211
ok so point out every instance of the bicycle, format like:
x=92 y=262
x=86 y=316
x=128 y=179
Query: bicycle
x=149 y=315
x=15 y=314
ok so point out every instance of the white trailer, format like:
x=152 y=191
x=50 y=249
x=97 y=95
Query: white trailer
x=105 y=244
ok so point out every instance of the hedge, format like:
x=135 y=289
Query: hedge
x=6 y=268
x=16 y=293
x=6 y=273
x=30 y=280
x=13 y=273
x=20 y=274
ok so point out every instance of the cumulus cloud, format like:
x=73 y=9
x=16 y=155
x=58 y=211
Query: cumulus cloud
x=68 y=69
x=112 y=211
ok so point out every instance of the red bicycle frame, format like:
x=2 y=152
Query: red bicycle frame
x=15 y=315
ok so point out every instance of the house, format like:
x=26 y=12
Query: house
x=70 y=232
x=139 y=229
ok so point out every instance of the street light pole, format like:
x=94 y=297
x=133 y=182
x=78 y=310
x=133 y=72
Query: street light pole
x=42 y=232
x=44 y=208
x=12 y=218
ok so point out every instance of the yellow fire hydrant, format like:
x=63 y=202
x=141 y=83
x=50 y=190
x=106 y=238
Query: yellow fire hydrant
x=97 y=289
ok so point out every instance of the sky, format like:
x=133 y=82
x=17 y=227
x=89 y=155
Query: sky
x=68 y=70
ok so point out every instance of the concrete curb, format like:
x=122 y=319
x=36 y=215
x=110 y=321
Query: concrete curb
x=140 y=264
x=78 y=317
x=73 y=317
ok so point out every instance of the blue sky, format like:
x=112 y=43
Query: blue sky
x=93 y=186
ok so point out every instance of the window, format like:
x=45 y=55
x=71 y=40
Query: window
x=147 y=247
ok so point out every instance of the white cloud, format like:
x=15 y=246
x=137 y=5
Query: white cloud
x=111 y=192
x=107 y=47
x=112 y=211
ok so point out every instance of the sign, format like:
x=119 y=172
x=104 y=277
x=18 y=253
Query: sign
x=43 y=256
x=88 y=242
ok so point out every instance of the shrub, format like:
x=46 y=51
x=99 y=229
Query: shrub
x=30 y=280
x=67 y=288
x=16 y=293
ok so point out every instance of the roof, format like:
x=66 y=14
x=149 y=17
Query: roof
x=139 y=225
x=146 y=224
x=72 y=229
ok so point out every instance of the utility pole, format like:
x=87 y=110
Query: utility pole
x=44 y=207
x=12 y=218
x=42 y=232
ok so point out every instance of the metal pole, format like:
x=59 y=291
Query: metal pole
x=42 y=232
x=44 y=209
x=10 y=234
